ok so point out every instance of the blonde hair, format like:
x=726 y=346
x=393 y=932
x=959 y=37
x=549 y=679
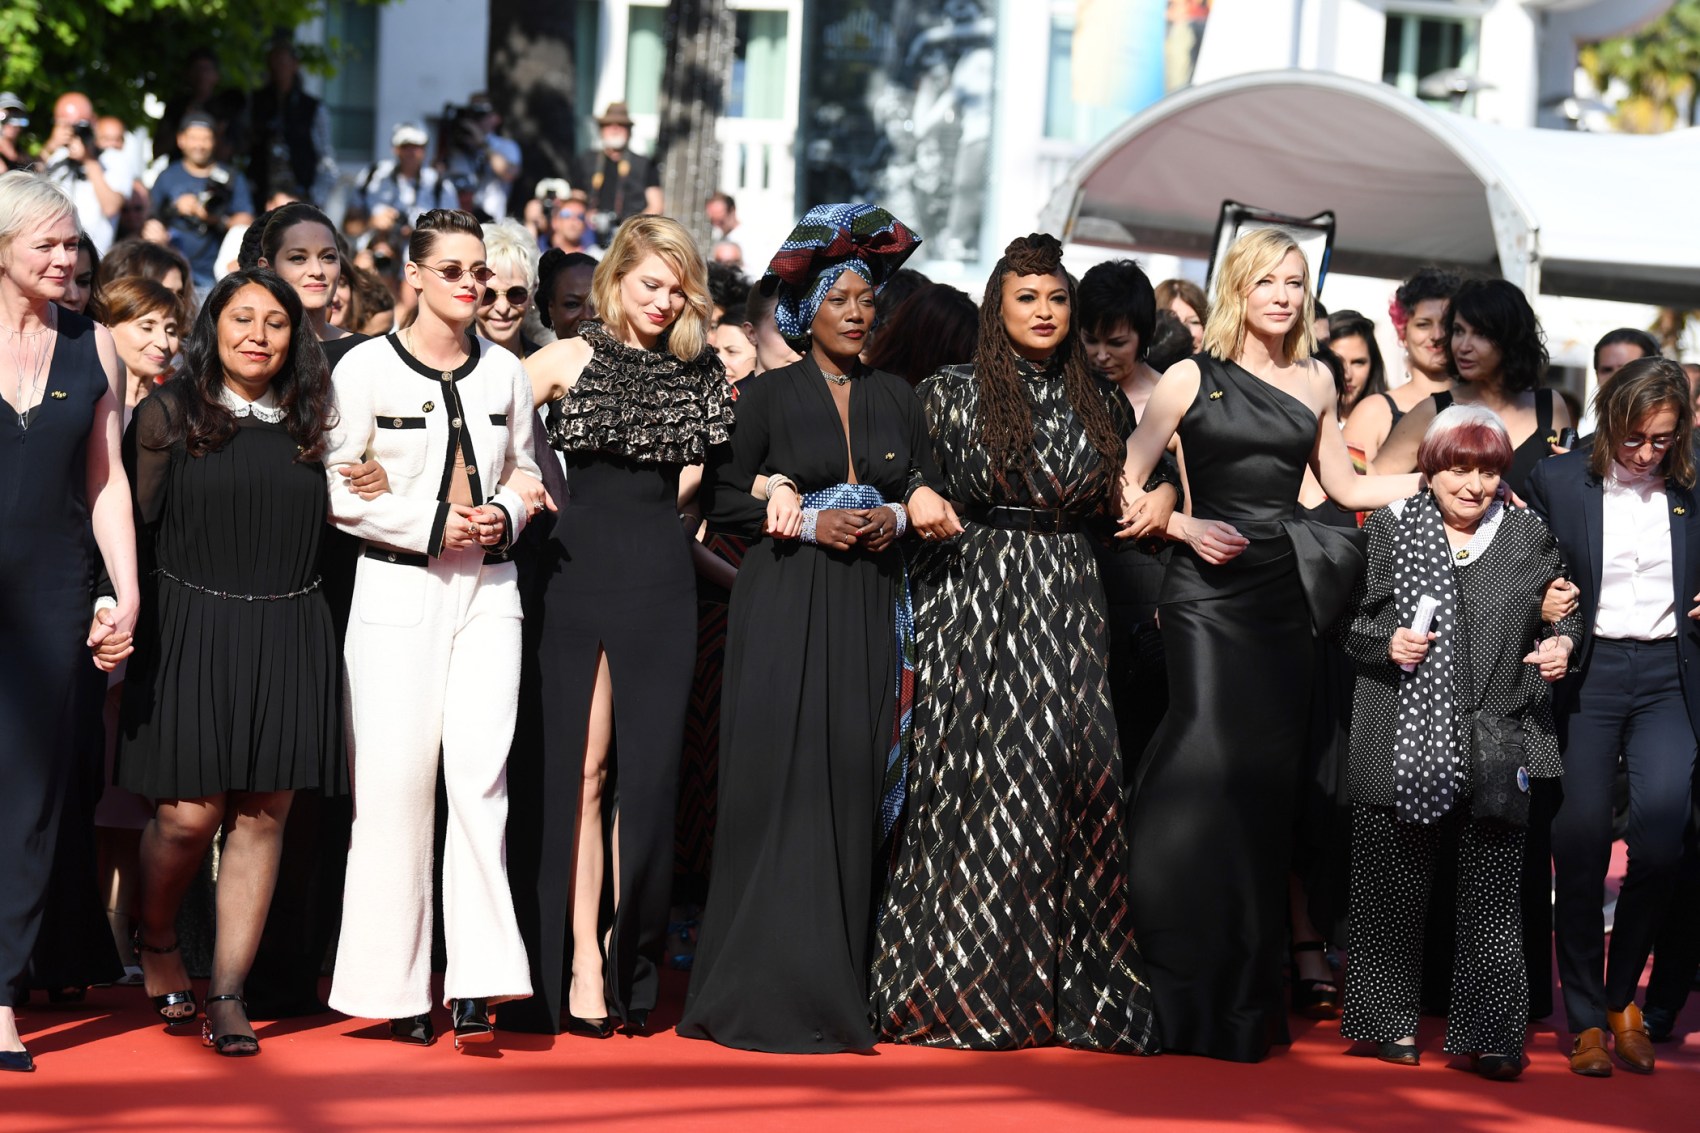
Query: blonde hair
x=29 y=199
x=634 y=241
x=511 y=250
x=1251 y=257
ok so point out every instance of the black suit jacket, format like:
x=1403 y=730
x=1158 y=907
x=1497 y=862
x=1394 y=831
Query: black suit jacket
x=1572 y=501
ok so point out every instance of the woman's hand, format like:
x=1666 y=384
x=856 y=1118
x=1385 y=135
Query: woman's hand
x=881 y=530
x=932 y=516
x=1559 y=601
x=530 y=489
x=1408 y=647
x=368 y=480
x=1553 y=656
x=1210 y=539
x=491 y=524
x=840 y=528
x=461 y=529
x=1147 y=513
x=784 y=513
x=109 y=643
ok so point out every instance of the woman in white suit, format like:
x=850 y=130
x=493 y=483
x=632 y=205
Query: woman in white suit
x=433 y=646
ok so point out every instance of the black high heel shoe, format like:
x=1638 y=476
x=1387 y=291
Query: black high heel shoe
x=18 y=1060
x=229 y=1045
x=1314 y=999
x=175 y=1007
x=602 y=1028
x=472 y=1022
x=415 y=1030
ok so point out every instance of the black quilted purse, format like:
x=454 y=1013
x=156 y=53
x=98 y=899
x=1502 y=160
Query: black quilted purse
x=1499 y=767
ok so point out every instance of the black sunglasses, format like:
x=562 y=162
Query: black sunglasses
x=452 y=272
x=517 y=296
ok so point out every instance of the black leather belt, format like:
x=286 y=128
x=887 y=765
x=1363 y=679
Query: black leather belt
x=409 y=558
x=1033 y=520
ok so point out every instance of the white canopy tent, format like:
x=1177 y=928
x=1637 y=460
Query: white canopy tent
x=1606 y=216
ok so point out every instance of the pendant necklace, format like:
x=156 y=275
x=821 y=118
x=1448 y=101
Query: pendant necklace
x=19 y=345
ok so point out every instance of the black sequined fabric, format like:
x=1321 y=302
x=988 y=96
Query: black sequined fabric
x=644 y=405
x=1006 y=924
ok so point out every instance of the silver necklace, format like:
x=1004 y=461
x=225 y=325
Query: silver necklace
x=18 y=342
x=836 y=379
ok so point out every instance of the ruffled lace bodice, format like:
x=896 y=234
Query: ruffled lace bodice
x=643 y=405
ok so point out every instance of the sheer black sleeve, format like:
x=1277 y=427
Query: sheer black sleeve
x=730 y=469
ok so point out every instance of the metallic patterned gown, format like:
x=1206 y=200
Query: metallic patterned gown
x=1006 y=925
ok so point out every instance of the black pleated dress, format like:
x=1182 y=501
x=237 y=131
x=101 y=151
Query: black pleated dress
x=1214 y=800
x=226 y=693
x=46 y=597
x=806 y=727
x=1006 y=924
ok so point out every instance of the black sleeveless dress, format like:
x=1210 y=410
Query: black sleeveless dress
x=224 y=693
x=618 y=580
x=45 y=607
x=1214 y=800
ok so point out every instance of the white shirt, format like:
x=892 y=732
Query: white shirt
x=265 y=407
x=120 y=178
x=1637 y=587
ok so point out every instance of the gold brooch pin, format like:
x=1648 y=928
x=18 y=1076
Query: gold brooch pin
x=1680 y=510
x=1462 y=555
x=891 y=456
x=57 y=394
x=428 y=406
x=1552 y=438
x=1215 y=395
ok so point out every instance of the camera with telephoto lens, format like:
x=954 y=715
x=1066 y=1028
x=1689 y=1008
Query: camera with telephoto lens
x=84 y=131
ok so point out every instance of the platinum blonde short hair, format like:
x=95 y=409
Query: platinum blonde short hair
x=29 y=200
x=511 y=251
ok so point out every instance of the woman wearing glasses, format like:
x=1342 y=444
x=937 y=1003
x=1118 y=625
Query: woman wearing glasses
x=506 y=297
x=433 y=647
x=1622 y=508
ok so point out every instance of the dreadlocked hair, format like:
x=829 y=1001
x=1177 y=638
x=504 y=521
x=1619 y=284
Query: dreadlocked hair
x=1005 y=413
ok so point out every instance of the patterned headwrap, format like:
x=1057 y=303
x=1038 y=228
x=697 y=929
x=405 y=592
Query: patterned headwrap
x=829 y=241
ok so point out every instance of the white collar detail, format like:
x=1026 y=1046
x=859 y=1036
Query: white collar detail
x=265 y=407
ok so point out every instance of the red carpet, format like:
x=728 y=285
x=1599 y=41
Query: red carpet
x=106 y=1065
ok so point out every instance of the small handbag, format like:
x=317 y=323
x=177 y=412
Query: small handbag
x=1499 y=770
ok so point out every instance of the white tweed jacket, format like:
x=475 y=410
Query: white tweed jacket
x=391 y=407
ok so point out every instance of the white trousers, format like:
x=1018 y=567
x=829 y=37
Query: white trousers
x=433 y=657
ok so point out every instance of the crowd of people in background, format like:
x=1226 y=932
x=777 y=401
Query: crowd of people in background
x=1046 y=668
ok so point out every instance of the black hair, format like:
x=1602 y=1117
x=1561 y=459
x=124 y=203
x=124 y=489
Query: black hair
x=554 y=264
x=1170 y=341
x=302 y=384
x=281 y=219
x=1500 y=312
x=903 y=283
x=1424 y=284
x=1628 y=336
x=1115 y=294
x=1320 y=311
x=728 y=286
x=435 y=221
x=1351 y=324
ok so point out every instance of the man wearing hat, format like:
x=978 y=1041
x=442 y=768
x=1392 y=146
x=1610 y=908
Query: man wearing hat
x=199 y=199
x=399 y=190
x=620 y=183
x=14 y=117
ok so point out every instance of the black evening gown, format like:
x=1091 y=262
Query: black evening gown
x=1007 y=922
x=226 y=694
x=1215 y=795
x=806 y=727
x=45 y=607
x=617 y=580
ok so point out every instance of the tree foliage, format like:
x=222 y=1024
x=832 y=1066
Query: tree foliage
x=119 y=51
x=1659 y=66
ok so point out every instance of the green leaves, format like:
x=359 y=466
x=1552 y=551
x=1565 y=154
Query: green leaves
x=1659 y=68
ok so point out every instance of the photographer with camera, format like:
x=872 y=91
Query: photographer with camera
x=619 y=183
x=96 y=179
x=198 y=198
x=477 y=158
x=14 y=118
x=396 y=192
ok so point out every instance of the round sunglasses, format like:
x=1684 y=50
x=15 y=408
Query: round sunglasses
x=451 y=273
x=516 y=296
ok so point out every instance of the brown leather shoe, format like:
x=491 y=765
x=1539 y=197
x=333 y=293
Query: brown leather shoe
x=1588 y=1056
x=1629 y=1038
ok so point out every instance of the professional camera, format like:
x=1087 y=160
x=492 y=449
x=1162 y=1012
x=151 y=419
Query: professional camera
x=84 y=130
x=215 y=198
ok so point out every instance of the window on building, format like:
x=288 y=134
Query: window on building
x=587 y=20
x=646 y=58
x=1061 y=118
x=758 y=66
x=351 y=94
x=1418 y=46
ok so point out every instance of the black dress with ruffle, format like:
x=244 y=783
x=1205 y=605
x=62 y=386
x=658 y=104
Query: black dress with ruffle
x=618 y=581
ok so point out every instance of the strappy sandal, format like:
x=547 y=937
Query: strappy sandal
x=175 y=1007
x=1314 y=999
x=230 y=1045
